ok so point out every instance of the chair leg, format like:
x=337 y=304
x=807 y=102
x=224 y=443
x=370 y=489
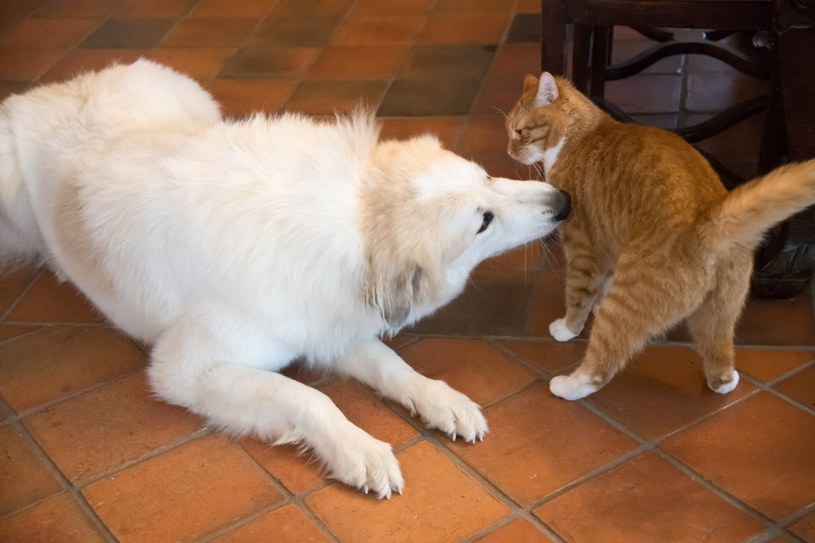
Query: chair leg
x=600 y=54
x=581 y=57
x=553 y=37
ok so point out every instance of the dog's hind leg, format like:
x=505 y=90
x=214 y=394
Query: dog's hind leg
x=194 y=368
x=439 y=405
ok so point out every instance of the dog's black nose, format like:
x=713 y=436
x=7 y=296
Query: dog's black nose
x=565 y=205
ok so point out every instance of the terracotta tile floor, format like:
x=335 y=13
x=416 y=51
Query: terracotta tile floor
x=89 y=455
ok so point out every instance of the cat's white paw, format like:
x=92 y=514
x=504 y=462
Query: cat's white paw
x=572 y=387
x=728 y=386
x=561 y=332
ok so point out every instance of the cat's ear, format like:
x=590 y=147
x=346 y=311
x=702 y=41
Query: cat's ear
x=530 y=83
x=547 y=90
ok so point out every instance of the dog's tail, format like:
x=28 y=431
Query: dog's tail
x=749 y=210
x=16 y=216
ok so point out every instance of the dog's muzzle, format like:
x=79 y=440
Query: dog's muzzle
x=563 y=202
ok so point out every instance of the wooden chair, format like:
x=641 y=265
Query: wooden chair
x=577 y=38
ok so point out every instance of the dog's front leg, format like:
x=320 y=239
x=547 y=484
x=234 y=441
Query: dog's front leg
x=193 y=368
x=439 y=405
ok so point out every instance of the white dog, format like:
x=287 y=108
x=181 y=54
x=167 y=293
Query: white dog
x=235 y=247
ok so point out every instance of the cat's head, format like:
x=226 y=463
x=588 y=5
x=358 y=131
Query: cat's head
x=549 y=112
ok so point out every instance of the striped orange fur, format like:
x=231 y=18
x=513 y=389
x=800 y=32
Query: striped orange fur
x=653 y=239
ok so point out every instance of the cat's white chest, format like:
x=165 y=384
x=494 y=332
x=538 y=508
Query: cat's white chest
x=550 y=156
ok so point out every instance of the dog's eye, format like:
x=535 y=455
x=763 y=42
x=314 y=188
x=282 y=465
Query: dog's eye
x=486 y=219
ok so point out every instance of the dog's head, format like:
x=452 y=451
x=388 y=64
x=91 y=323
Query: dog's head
x=429 y=217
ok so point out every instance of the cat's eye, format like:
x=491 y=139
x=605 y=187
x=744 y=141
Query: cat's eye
x=486 y=219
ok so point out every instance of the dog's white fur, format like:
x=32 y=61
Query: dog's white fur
x=235 y=247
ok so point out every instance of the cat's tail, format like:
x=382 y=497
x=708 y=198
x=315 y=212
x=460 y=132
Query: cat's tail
x=749 y=210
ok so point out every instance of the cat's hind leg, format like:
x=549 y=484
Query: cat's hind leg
x=644 y=300
x=713 y=322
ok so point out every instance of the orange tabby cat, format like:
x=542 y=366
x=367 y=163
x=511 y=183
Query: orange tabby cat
x=653 y=232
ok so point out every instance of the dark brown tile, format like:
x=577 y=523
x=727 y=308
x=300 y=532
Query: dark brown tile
x=778 y=322
x=54 y=362
x=7 y=88
x=804 y=527
x=472 y=366
x=197 y=62
x=450 y=504
x=377 y=8
x=445 y=128
x=221 y=9
x=288 y=524
x=28 y=64
x=484 y=137
x=107 y=427
x=769 y=364
x=623 y=50
x=474 y=6
x=330 y=97
x=300 y=32
x=210 y=33
x=760 y=451
x=298 y=471
x=533 y=450
x=516 y=60
x=646 y=93
x=358 y=62
x=23 y=476
x=270 y=63
x=11 y=331
x=320 y=9
x=523 y=259
x=12 y=285
x=153 y=9
x=489 y=306
x=646 y=499
x=377 y=30
x=549 y=355
x=151 y=500
x=76 y=8
x=525 y=27
x=498 y=96
x=86 y=60
x=240 y=98
x=50 y=301
x=518 y=531
x=128 y=33
x=453 y=61
x=38 y=34
x=429 y=97
x=711 y=92
x=14 y=11
x=447 y=28
x=59 y=517
x=800 y=387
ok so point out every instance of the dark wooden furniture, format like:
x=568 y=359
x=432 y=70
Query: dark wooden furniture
x=577 y=39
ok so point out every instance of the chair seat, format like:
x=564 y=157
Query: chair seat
x=722 y=14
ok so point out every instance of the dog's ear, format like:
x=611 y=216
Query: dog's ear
x=392 y=290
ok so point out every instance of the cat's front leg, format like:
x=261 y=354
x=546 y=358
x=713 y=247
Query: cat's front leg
x=585 y=284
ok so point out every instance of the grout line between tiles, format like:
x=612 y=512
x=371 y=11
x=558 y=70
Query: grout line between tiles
x=39 y=273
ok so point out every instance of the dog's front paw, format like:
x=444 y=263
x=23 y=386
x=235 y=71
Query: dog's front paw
x=365 y=463
x=450 y=411
x=560 y=331
x=572 y=387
